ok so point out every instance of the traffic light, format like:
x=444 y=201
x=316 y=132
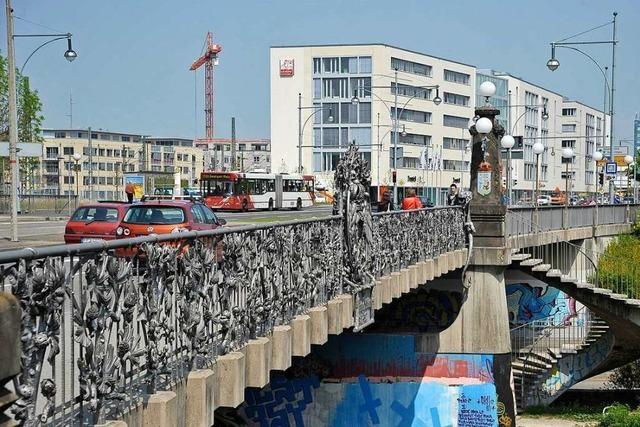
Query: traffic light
x=601 y=178
x=394 y=176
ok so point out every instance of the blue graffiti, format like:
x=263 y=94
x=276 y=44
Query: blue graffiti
x=538 y=302
x=370 y=404
x=274 y=406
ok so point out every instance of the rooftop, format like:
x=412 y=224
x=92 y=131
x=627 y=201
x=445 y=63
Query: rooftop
x=371 y=44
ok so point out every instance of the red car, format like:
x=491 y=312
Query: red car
x=171 y=216
x=96 y=221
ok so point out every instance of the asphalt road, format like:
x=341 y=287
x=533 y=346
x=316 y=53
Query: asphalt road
x=34 y=231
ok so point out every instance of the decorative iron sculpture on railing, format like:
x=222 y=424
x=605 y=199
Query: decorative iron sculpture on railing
x=101 y=329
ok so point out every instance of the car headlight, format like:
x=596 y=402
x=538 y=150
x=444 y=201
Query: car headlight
x=119 y=231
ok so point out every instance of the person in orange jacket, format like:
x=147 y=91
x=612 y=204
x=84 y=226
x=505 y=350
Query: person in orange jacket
x=129 y=190
x=411 y=201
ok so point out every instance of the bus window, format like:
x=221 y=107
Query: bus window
x=309 y=185
x=260 y=186
x=271 y=185
x=242 y=187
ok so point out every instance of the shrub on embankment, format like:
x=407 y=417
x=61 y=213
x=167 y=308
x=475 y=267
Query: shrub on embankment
x=619 y=266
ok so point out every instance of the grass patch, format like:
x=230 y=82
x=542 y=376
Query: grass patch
x=618 y=267
x=572 y=413
x=617 y=415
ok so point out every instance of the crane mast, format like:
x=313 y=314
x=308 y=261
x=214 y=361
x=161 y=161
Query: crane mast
x=208 y=59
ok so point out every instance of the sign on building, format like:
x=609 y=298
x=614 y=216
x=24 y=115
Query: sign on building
x=286 y=67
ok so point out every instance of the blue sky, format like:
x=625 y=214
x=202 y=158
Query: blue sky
x=132 y=70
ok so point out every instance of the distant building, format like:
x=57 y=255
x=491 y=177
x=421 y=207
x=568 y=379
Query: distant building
x=432 y=140
x=251 y=154
x=111 y=155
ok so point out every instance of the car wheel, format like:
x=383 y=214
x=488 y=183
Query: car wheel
x=245 y=205
x=270 y=204
x=299 y=204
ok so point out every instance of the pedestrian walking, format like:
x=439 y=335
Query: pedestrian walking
x=129 y=189
x=411 y=201
x=385 y=204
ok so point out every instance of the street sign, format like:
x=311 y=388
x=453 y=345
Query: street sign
x=611 y=168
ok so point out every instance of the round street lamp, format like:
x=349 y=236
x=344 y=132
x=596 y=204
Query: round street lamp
x=567 y=153
x=487 y=89
x=628 y=159
x=437 y=100
x=538 y=148
x=553 y=64
x=70 y=54
x=597 y=156
x=404 y=132
x=484 y=125
x=545 y=115
x=508 y=142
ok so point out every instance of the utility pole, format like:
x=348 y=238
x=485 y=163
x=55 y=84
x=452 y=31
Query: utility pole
x=395 y=137
x=613 y=86
x=234 y=161
x=13 y=123
x=90 y=166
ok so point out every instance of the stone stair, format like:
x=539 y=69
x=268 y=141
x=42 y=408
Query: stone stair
x=531 y=366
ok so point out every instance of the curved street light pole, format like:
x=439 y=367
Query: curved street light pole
x=301 y=125
x=70 y=55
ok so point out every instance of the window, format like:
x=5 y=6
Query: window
x=455 y=143
x=569 y=128
x=126 y=138
x=365 y=112
x=568 y=143
x=101 y=152
x=413 y=115
x=365 y=64
x=95 y=214
x=154 y=215
x=411 y=162
x=317 y=66
x=412 y=138
x=60 y=134
x=330 y=65
x=455 y=165
x=349 y=65
x=256 y=159
x=361 y=86
x=317 y=88
x=569 y=112
x=105 y=136
x=67 y=151
x=456 y=77
x=198 y=217
x=335 y=88
x=410 y=67
x=52 y=152
x=348 y=113
x=330 y=137
x=455 y=121
x=454 y=98
x=94 y=135
x=412 y=91
x=361 y=136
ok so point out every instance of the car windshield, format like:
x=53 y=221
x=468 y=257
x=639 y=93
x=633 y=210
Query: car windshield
x=154 y=215
x=95 y=213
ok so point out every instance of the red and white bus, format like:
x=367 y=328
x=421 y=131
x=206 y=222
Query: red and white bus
x=254 y=190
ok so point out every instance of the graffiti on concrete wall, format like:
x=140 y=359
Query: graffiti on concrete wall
x=353 y=381
x=428 y=311
x=527 y=302
x=571 y=369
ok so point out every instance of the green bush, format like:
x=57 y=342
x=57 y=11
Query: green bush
x=619 y=266
x=620 y=416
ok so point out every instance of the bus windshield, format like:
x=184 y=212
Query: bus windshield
x=217 y=187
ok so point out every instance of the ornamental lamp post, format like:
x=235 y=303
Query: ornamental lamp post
x=567 y=155
x=508 y=142
x=538 y=148
x=628 y=159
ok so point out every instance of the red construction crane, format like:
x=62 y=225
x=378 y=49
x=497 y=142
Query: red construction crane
x=209 y=59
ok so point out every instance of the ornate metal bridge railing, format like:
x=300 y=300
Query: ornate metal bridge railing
x=100 y=330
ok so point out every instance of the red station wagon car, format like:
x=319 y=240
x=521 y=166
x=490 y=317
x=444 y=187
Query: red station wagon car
x=96 y=221
x=171 y=216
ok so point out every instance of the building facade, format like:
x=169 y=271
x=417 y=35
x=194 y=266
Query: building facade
x=107 y=156
x=533 y=114
x=432 y=139
x=252 y=154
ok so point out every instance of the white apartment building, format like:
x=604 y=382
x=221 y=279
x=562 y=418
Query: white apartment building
x=532 y=113
x=433 y=140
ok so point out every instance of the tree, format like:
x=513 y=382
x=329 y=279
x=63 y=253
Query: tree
x=30 y=116
x=30 y=119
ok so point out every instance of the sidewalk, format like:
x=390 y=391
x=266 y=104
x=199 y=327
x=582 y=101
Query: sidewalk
x=33 y=218
x=524 y=421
